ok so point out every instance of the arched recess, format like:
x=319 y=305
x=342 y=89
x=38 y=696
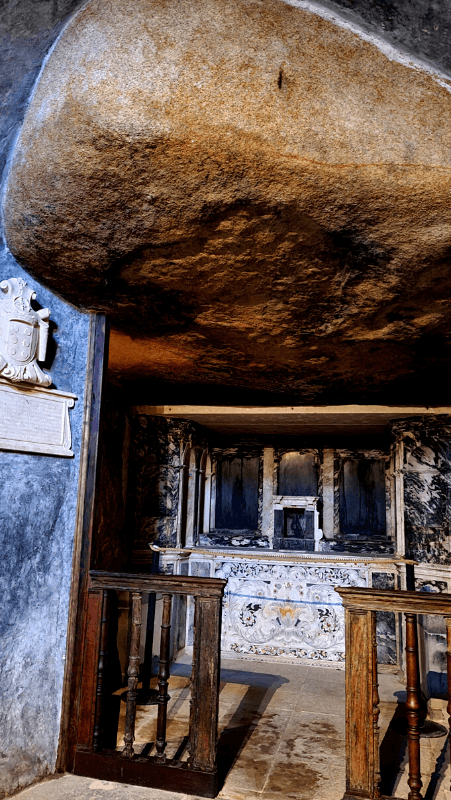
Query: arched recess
x=188 y=498
x=205 y=478
x=183 y=496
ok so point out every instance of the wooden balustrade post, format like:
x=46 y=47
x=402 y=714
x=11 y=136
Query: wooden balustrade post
x=100 y=687
x=413 y=707
x=203 y=728
x=199 y=776
x=133 y=674
x=448 y=670
x=376 y=710
x=163 y=675
x=362 y=772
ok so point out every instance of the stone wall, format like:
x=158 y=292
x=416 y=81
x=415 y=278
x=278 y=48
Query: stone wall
x=38 y=502
x=427 y=480
x=155 y=463
x=38 y=493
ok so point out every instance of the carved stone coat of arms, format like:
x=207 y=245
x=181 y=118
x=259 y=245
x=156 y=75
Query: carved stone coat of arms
x=23 y=334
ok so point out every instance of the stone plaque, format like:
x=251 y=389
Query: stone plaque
x=35 y=420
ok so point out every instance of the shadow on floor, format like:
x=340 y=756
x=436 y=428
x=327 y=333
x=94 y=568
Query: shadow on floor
x=249 y=711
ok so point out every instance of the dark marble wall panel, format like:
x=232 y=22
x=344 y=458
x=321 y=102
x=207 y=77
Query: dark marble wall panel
x=228 y=538
x=201 y=569
x=156 y=448
x=237 y=482
x=362 y=498
x=432 y=643
x=238 y=464
x=298 y=474
x=427 y=488
x=38 y=499
x=361 y=502
x=386 y=622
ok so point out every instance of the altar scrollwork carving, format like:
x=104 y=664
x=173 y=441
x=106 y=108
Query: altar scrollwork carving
x=286 y=610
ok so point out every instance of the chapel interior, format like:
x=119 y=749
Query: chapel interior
x=237 y=213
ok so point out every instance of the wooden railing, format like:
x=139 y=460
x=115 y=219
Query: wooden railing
x=362 y=698
x=199 y=774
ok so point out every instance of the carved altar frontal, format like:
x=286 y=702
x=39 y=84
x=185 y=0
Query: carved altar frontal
x=287 y=610
x=35 y=420
x=280 y=608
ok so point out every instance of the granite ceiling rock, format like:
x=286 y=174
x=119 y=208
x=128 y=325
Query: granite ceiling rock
x=258 y=195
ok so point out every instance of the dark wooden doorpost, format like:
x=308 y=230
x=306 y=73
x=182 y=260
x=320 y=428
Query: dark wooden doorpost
x=80 y=630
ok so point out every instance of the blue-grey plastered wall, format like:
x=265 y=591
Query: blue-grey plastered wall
x=38 y=494
x=38 y=500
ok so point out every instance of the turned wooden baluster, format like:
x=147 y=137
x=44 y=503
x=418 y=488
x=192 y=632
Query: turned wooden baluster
x=133 y=674
x=413 y=707
x=163 y=675
x=97 y=735
x=448 y=670
x=376 y=710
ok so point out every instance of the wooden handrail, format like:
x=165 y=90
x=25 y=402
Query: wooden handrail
x=396 y=600
x=362 y=733
x=170 y=584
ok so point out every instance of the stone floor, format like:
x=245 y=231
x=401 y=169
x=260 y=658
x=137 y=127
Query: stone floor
x=284 y=727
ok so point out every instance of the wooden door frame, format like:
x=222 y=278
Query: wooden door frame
x=97 y=363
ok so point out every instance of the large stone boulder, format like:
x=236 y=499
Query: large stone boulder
x=258 y=195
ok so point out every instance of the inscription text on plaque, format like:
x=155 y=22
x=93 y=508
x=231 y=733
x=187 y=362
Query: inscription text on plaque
x=35 y=420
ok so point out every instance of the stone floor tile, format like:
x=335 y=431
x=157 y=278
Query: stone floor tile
x=75 y=787
x=325 y=675
x=298 y=779
x=333 y=682
x=303 y=723
x=314 y=747
x=281 y=672
x=277 y=701
x=237 y=794
x=391 y=688
x=257 y=739
x=235 y=692
x=326 y=703
x=249 y=773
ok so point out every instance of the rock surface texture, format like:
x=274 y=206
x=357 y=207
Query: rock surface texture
x=258 y=194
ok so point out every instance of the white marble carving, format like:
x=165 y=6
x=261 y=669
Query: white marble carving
x=23 y=334
x=287 y=610
x=281 y=502
x=35 y=420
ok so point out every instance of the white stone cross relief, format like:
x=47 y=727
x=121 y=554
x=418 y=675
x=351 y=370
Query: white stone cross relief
x=23 y=334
